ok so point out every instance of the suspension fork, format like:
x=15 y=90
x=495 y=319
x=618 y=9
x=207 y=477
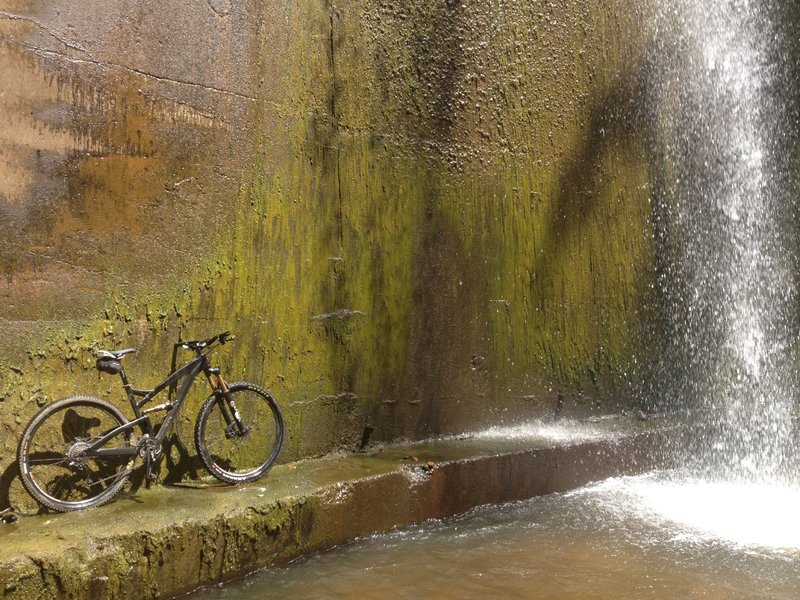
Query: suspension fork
x=235 y=425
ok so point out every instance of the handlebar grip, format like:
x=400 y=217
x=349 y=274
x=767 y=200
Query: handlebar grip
x=200 y=344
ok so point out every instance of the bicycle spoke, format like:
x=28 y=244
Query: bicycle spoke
x=54 y=466
x=239 y=457
x=108 y=478
x=54 y=460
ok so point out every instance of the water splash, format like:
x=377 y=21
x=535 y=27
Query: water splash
x=546 y=432
x=747 y=515
x=725 y=242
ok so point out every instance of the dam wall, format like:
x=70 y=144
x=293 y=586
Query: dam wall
x=417 y=216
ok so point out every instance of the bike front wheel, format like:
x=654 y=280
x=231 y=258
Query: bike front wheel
x=52 y=464
x=239 y=434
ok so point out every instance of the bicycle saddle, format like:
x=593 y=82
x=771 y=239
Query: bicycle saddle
x=114 y=354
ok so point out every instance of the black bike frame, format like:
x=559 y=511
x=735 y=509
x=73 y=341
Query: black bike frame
x=142 y=420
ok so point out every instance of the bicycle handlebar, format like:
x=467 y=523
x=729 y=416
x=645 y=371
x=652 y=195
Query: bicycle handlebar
x=199 y=345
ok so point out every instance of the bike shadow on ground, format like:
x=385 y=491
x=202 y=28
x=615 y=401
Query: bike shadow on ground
x=179 y=468
x=7 y=478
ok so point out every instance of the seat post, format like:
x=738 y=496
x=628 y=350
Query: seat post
x=127 y=385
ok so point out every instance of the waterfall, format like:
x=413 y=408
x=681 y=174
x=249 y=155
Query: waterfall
x=725 y=238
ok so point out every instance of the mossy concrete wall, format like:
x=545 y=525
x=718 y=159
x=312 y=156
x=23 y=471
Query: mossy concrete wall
x=424 y=216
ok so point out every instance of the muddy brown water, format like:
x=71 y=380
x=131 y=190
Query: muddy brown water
x=660 y=535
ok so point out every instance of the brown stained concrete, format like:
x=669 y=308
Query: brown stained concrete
x=112 y=134
x=164 y=541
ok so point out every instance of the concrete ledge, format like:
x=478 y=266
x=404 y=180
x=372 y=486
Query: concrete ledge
x=165 y=541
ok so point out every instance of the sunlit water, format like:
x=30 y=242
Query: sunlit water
x=542 y=432
x=726 y=237
x=624 y=538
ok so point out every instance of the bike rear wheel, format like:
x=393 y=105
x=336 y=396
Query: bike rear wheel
x=233 y=455
x=51 y=464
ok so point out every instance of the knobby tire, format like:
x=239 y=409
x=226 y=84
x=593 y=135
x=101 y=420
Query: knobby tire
x=235 y=458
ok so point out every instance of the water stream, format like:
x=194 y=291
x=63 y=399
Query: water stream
x=728 y=245
x=624 y=538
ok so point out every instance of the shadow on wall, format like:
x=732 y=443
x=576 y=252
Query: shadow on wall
x=649 y=108
x=619 y=124
x=454 y=291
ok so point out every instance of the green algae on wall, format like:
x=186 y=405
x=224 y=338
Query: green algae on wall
x=531 y=258
x=423 y=217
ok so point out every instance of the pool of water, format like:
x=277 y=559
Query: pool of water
x=661 y=535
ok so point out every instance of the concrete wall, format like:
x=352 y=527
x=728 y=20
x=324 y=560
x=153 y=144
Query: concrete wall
x=421 y=215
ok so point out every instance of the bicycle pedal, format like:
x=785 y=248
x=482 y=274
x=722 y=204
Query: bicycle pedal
x=149 y=479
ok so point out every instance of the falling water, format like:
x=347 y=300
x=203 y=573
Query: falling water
x=725 y=237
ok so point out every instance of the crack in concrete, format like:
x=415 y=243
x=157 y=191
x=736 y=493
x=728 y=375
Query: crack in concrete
x=47 y=30
x=188 y=83
x=340 y=212
x=43 y=52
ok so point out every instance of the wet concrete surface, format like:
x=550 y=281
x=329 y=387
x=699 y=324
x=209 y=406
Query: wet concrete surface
x=161 y=542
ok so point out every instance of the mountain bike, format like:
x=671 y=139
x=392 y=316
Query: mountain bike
x=79 y=451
